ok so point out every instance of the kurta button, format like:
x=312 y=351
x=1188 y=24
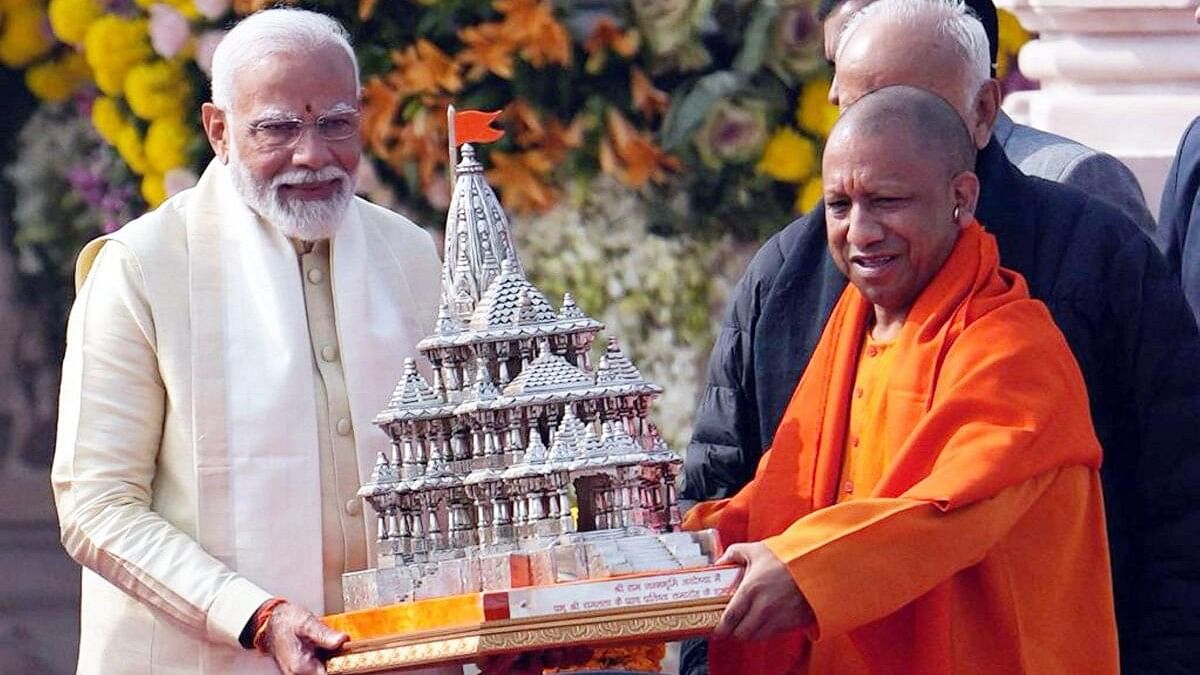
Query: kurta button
x=858 y=392
x=854 y=441
x=871 y=351
x=316 y=276
x=329 y=353
x=353 y=508
x=848 y=486
x=343 y=427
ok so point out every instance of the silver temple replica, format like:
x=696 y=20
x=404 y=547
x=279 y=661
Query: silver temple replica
x=514 y=424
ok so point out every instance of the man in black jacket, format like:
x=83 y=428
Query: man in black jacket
x=1179 y=213
x=1111 y=294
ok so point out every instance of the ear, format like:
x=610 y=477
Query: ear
x=986 y=109
x=965 y=191
x=216 y=127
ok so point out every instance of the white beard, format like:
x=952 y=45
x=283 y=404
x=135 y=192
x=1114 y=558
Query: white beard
x=306 y=220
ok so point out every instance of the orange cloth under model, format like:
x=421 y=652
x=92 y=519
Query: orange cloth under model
x=982 y=548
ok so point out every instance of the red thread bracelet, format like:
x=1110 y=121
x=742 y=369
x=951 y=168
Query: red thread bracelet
x=261 y=618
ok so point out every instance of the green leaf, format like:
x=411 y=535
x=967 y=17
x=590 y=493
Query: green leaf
x=688 y=112
x=757 y=38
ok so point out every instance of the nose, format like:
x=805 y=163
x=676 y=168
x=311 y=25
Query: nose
x=311 y=151
x=864 y=231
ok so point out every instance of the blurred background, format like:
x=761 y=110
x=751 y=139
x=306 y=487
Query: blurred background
x=652 y=145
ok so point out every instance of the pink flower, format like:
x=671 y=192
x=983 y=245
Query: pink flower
x=169 y=30
x=206 y=44
x=212 y=9
x=178 y=180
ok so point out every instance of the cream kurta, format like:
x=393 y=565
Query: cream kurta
x=181 y=530
x=343 y=535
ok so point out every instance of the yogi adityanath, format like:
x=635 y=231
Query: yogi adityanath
x=931 y=502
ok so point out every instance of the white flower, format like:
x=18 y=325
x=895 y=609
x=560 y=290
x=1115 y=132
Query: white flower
x=596 y=246
x=169 y=31
x=206 y=44
x=212 y=9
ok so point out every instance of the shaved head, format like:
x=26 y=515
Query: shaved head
x=933 y=128
x=898 y=189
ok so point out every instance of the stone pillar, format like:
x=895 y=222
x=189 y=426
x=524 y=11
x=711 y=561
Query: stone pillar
x=1122 y=76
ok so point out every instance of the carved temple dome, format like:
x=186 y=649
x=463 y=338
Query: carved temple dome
x=511 y=300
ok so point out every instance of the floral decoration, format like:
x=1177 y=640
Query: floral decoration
x=651 y=143
x=703 y=119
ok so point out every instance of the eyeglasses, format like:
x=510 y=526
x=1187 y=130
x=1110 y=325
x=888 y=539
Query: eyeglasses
x=283 y=133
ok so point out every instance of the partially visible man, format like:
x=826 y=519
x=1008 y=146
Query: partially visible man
x=225 y=357
x=931 y=503
x=1178 y=209
x=1033 y=151
x=1178 y=212
x=1108 y=289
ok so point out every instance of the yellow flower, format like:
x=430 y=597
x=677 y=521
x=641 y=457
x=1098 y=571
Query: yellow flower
x=157 y=89
x=167 y=142
x=113 y=45
x=789 y=156
x=153 y=189
x=129 y=145
x=108 y=119
x=56 y=80
x=69 y=19
x=23 y=36
x=810 y=195
x=1012 y=34
x=814 y=113
x=44 y=81
x=1012 y=37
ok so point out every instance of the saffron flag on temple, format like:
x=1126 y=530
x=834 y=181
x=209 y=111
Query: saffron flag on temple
x=474 y=126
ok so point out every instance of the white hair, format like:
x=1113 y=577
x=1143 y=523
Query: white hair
x=949 y=21
x=274 y=31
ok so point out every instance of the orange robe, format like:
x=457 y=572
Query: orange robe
x=982 y=547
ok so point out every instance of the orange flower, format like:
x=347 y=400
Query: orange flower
x=531 y=24
x=419 y=141
x=422 y=68
x=523 y=179
x=244 y=7
x=644 y=658
x=648 y=100
x=606 y=35
x=380 y=106
x=366 y=8
x=631 y=156
x=550 y=136
x=489 y=48
x=423 y=140
x=521 y=13
x=525 y=122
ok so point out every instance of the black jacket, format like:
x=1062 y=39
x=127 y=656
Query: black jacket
x=1127 y=322
x=1178 y=213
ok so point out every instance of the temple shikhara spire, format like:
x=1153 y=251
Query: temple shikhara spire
x=519 y=461
x=478 y=239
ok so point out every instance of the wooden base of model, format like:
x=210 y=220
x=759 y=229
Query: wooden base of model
x=466 y=628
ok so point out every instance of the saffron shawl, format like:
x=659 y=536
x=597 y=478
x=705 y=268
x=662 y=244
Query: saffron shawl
x=984 y=541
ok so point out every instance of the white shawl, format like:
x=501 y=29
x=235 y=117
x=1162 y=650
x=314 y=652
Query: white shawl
x=254 y=411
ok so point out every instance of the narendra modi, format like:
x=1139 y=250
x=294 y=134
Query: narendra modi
x=225 y=356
